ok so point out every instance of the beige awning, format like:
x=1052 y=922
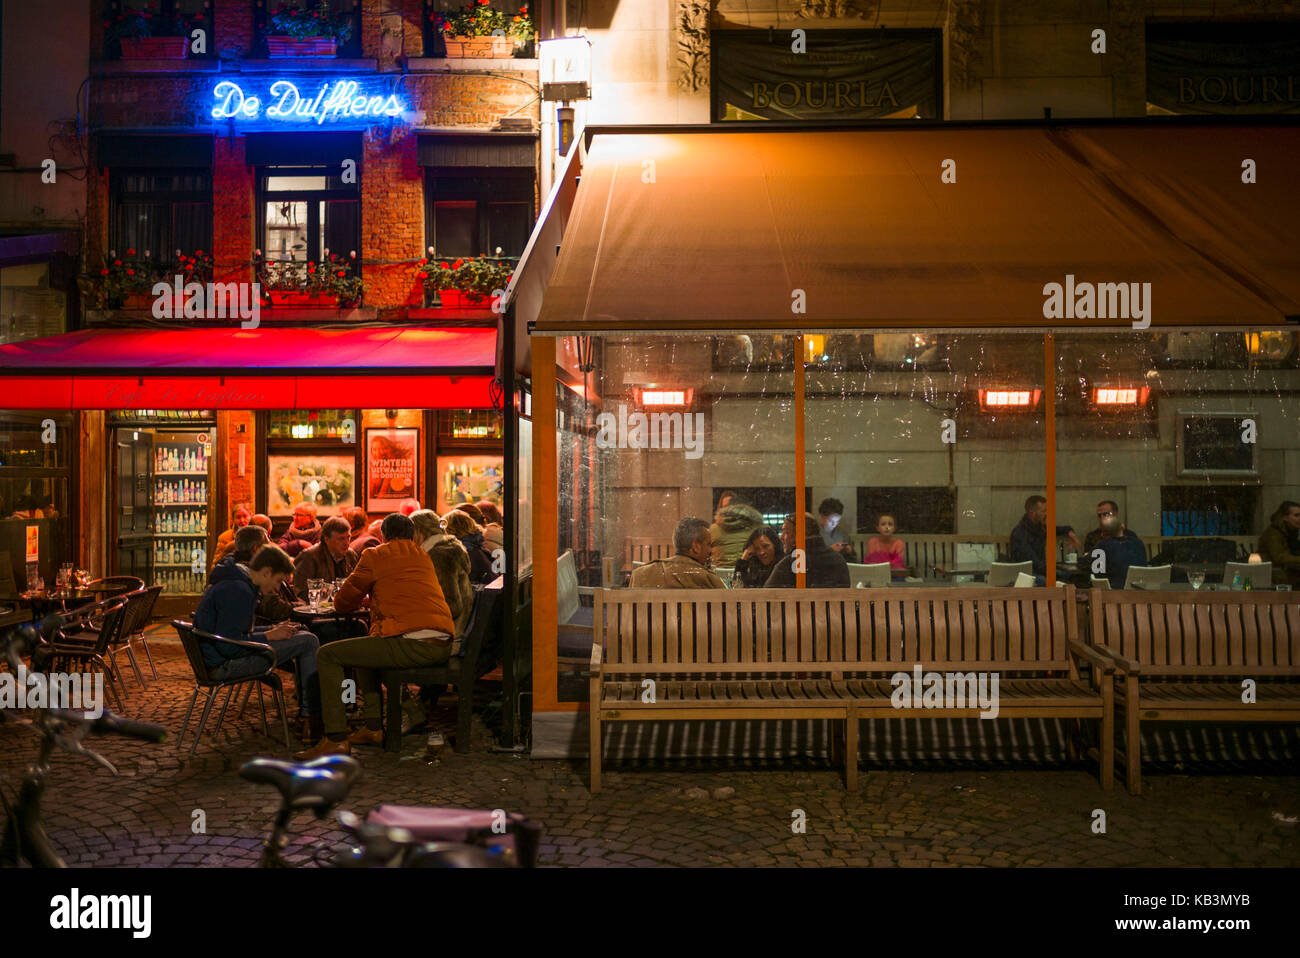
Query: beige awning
x=715 y=230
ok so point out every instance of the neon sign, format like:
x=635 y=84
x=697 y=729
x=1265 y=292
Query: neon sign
x=335 y=100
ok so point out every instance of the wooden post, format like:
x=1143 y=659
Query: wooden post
x=546 y=530
x=1049 y=413
x=801 y=578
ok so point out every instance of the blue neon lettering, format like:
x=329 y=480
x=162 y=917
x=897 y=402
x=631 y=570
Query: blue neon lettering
x=341 y=99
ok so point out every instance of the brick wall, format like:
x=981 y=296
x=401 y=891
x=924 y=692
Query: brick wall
x=392 y=219
x=240 y=490
x=233 y=24
x=233 y=222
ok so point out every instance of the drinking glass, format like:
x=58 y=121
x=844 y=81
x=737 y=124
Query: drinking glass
x=34 y=583
x=1197 y=579
x=314 y=589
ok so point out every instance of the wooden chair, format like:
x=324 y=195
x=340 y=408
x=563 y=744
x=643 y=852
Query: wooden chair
x=1185 y=656
x=478 y=656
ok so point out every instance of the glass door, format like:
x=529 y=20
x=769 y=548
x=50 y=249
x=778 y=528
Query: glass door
x=133 y=508
x=180 y=462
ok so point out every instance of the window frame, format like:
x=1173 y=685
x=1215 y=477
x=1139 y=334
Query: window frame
x=349 y=193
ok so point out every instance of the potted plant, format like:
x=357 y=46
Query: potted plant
x=331 y=282
x=127 y=281
x=465 y=282
x=306 y=29
x=477 y=30
x=149 y=35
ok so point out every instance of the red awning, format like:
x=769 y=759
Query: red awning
x=250 y=369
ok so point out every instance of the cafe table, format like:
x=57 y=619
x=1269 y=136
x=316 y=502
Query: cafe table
x=42 y=604
x=306 y=612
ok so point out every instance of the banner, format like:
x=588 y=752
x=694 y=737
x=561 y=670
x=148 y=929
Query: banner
x=1223 y=68
x=840 y=75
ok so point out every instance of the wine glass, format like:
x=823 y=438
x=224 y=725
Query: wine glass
x=1197 y=579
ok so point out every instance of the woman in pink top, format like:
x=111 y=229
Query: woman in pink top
x=885 y=547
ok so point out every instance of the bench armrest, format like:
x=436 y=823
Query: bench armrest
x=1125 y=664
x=1101 y=661
x=596 y=653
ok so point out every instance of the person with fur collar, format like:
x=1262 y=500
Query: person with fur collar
x=450 y=561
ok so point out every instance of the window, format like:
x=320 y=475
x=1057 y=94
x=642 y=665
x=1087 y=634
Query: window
x=928 y=510
x=30 y=305
x=476 y=215
x=168 y=18
x=348 y=49
x=1208 y=510
x=161 y=212
x=773 y=502
x=306 y=210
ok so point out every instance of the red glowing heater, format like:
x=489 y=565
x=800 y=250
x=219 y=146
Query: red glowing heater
x=664 y=398
x=1118 y=397
x=1010 y=399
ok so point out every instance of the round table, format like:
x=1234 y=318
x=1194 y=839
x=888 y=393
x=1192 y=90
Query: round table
x=43 y=603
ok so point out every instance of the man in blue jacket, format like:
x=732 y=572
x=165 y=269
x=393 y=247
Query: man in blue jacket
x=1120 y=547
x=228 y=608
x=1029 y=537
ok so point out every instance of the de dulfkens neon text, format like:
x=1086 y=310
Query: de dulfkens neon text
x=337 y=100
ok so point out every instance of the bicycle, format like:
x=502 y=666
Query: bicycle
x=486 y=839
x=25 y=838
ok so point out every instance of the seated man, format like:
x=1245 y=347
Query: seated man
x=1029 y=537
x=829 y=514
x=1120 y=547
x=410 y=627
x=827 y=569
x=227 y=608
x=688 y=569
x=304 y=531
x=328 y=559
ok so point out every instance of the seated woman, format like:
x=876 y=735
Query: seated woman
x=762 y=552
x=885 y=547
x=470 y=534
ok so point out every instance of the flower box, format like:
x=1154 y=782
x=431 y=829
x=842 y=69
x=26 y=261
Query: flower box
x=308 y=47
x=288 y=298
x=489 y=46
x=154 y=48
x=463 y=300
x=146 y=301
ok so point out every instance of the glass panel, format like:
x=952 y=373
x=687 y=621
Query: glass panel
x=455 y=227
x=340 y=226
x=524 y=536
x=650 y=436
x=1189 y=440
x=141 y=227
x=191 y=227
x=508 y=229
x=29 y=309
x=278 y=184
x=303 y=424
x=286 y=230
x=910 y=462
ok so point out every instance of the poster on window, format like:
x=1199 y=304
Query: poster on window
x=33 y=543
x=325 y=481
x=392 y=467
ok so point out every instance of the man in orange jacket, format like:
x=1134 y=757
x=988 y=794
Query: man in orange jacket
x=410 y=627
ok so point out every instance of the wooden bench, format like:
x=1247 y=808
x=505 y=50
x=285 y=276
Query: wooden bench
x=1182 y=657
x=831 y=653
x=716 y=654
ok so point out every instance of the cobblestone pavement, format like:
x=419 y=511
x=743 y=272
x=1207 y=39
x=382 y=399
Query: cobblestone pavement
x=919 y=817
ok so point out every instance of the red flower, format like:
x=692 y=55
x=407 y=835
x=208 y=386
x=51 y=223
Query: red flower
x=198 y=252
x=130 y=252
x=458 y=264
x=424 y=262
x=117 y=262
x=311 y=269
x=422 y=274
x=130 y=272
x=340 y=273
x=104 y=271
x=442 y=266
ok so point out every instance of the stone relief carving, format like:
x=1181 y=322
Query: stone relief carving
x=838 y=9
x=965 y=31
x=691 y=23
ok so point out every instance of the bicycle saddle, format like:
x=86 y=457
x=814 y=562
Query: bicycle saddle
x=318 y=785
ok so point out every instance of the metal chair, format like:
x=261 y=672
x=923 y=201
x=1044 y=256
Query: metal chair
x=1003 y=574
x=139 y=608
x=1148 y=576
x=869 y=575
x=1259 y=574
x=114 y=585
x=71 y=652
x=205 y=683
